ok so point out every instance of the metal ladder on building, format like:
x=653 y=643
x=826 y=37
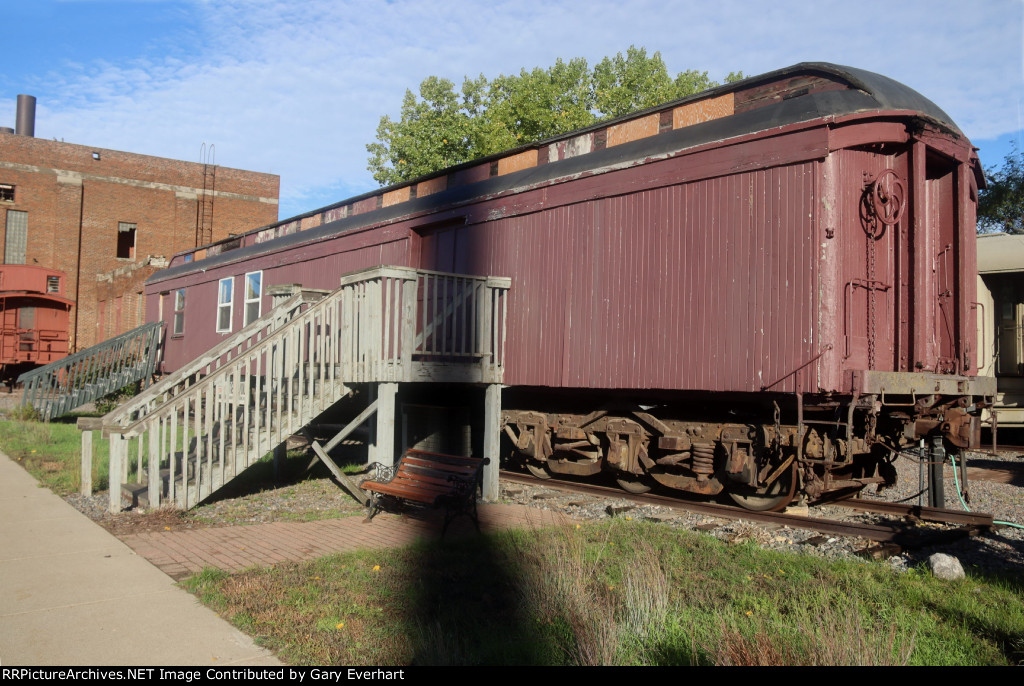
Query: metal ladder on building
x=199 y=428
x=204 y=206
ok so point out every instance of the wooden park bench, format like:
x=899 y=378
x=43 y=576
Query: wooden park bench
x=430 y=480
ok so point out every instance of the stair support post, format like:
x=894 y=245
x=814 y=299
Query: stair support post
x=492 y=431
x=118 y=456
x=85 y=488
x=385 y=452
x=155 y=482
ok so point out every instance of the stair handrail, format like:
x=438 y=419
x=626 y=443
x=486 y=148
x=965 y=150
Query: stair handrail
x=222 y=351
x=273 y=335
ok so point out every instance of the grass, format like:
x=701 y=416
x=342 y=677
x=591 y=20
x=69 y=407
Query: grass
x=52 y=453
x=622 y=593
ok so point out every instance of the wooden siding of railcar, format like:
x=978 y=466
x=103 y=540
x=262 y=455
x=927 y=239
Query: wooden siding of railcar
x=635 y=278
x=694 y=272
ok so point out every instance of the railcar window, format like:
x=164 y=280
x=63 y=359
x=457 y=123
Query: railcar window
x=253 y=296
x=225 y=303
x=179 y=312
x=17 y=237
x=53 y=284
x=6 y=192
x=126 y=240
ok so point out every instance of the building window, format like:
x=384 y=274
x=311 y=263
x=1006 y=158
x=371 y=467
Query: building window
x=126 y=240
x=53 y=284
x=225 y=304
x=6 y=192
x=17 y=237
x=179 y=313
x=253 y=296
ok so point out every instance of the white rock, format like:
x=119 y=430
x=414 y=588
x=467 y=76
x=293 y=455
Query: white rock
x=945 y=566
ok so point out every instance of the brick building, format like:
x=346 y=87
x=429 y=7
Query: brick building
x=109 y=219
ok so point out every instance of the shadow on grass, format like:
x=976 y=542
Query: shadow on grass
x=466 y=608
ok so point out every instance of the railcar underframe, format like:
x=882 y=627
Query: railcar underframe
x=762 y=450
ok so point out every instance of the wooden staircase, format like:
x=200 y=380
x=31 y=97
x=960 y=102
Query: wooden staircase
x=197 y=429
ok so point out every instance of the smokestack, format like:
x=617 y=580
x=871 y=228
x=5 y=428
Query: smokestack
x=25 y=125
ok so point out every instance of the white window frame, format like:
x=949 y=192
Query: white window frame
x=178 y=318
x=252 y=300
x=227 y=305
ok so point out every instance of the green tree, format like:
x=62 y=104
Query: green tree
x=432 y=133
x=1001 y=205
x=625 y=84
x=441 y=127
x=539 y=104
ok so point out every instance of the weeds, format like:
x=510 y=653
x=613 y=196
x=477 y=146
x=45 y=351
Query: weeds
x=615 y=593
x=24 y=413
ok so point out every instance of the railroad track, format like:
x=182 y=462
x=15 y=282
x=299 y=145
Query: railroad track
x=893 y=537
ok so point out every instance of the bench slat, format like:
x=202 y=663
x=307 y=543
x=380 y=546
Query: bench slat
x=409 y=492
x=453 y=469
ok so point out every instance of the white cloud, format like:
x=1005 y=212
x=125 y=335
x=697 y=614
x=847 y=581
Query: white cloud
x=297 y=88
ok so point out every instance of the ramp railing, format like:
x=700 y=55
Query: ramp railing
x=88 y=375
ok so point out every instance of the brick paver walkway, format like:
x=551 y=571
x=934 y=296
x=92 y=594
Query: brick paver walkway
x=233 y=548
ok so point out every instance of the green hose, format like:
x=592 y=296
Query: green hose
x=960 y=495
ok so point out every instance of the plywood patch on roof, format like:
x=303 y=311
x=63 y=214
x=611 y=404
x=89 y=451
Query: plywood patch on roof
x=430 y=186
x=702 y=111
x=396 y=196
x=632 y=130
x=514 y=163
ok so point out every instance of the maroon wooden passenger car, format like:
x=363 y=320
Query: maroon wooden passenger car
x=768 y=283
x=33 y=317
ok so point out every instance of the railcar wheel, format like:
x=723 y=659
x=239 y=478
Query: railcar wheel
x=775 y=499
x=538 y=470
x=635 y=484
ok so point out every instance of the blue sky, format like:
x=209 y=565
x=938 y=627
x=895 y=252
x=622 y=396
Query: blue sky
x=297 y=87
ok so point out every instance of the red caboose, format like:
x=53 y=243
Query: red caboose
x=34 y=313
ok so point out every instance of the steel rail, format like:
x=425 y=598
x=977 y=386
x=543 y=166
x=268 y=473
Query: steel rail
x=874 y=532
x=928 y=514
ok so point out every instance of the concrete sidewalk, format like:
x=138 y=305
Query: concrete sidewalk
x=73 y=594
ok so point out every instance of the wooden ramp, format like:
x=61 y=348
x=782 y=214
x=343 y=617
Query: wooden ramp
x=59 y=387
